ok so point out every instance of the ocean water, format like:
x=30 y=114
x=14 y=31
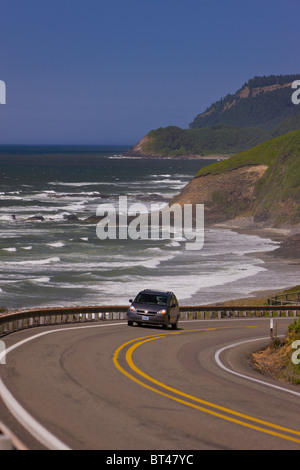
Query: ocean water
x=46 y=259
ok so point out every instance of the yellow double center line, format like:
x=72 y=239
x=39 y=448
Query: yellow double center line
x=196 y=403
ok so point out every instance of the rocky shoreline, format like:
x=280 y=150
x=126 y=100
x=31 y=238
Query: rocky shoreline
x=147 y=156
x=137 y=151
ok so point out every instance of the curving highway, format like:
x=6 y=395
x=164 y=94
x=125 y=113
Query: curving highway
x=110 y=386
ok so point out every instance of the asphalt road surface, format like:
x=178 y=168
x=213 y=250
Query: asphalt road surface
x=110 y=386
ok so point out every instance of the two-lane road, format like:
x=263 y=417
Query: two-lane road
x=110 y=386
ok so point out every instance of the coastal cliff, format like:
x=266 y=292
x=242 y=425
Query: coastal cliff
x=226 y=195
x=140 y=150
x=260 y=186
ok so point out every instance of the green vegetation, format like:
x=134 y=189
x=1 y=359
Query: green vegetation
x=294 y=331
x=220 y=139
x=287 y=145
x=288 y=125
x=281 y=182
x=263 y=108
x=260 y=110
x=292 y=290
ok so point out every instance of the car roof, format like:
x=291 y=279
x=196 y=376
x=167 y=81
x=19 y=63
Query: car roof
x=159 y=292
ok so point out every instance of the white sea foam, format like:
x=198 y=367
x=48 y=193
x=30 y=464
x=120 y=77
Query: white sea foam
x=160 y=176
x=173 y=243
x=40 y=280
x=154 y=250
x=31 y=262
x=150 y=263
x=56 y=244
x=76 y=206
x=185 y=286
x=223 y=241
x=10 y=197
x=31 y=210
x=75 y=185
x=112 y=264
x=6 y=218
x=12 y=249
x=164 y=181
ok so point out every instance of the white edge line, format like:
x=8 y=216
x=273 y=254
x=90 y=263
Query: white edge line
x=220 y=364
x=24 y=418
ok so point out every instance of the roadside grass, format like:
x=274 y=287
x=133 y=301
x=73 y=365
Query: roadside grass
x=259 y=301
x=277 y=359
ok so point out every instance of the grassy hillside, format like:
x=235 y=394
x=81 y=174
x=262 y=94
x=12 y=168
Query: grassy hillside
x=278 y=191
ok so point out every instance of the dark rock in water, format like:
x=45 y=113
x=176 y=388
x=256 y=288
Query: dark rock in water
x=93 y=219
x=71 y=218
x=36 y=217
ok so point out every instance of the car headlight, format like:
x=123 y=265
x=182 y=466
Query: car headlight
x=131 y=308
x=163 y=311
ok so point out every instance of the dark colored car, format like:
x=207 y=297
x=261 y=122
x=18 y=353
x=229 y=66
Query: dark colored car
x=155 y=308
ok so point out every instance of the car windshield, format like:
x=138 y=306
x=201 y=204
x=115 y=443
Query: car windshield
x=154 y=299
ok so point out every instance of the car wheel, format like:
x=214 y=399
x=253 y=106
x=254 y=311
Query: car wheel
x=175 y=325
x=130 y=323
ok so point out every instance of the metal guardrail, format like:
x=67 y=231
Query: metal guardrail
x=289 y=298
x=15 y=321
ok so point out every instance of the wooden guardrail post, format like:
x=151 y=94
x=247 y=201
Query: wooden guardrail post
x=292 y=298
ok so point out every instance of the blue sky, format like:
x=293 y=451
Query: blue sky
x=108 y=71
